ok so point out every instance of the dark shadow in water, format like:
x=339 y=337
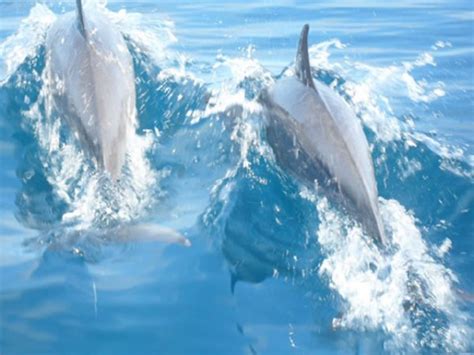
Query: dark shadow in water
x=264 y=228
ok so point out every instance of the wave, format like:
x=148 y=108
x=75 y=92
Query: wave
x=200 y=153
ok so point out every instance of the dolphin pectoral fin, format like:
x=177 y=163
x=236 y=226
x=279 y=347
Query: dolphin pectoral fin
x=80 y=18
x=151 y=233
x=302 y=66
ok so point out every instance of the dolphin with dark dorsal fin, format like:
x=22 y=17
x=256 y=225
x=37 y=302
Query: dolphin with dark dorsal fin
x=92 y=83
x=316 y=136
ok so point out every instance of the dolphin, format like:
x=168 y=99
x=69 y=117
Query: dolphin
x=317 y=137
x=92 y=82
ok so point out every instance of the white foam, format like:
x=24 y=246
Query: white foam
x=228 y=101
x=228 y=94
x=443 y=249
x=451 y=154
x=228 y=75
x=441 y=44
x=149 y=33
x=376 y=288
x=25 y=42
x=241 y=68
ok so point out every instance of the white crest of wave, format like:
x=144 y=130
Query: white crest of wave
x=450 y=153
x=229 y=101
x=228 y=73
x=228 y=98
x=238 y=69
x=24 y=43
x=150 y=33
x=377 y=287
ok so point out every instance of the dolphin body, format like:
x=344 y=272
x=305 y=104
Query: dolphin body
x=92 y=83
x=316 y=136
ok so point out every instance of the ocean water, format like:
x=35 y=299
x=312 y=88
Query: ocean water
x=274 y=267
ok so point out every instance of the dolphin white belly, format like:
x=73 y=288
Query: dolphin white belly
x=323 y=138
x=92 y=82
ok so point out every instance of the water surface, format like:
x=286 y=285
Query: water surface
x=274 y=267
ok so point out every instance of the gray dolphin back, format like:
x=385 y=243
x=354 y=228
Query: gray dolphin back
x=316 y=136
x=92 y=83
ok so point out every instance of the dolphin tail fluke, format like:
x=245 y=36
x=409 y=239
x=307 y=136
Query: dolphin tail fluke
x=302 y=66
x=80 y=17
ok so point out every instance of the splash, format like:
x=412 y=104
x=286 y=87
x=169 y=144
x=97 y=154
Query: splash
x=151 y=33
x=25 y=42
x=233 y=98
x=398 y=290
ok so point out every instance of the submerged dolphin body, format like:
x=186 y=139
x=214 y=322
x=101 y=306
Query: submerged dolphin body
x=316 y=136
x=92 y=83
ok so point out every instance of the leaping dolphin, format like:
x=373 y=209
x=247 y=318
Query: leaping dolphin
x=93 y=85
x=314 y=134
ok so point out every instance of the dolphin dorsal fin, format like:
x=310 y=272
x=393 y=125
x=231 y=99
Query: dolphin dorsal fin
x=80 y=18
x=302 y=67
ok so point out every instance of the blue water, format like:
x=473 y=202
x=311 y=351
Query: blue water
x=274 y=267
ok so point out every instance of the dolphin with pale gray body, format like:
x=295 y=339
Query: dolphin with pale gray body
x=92 y=86
x=316 y=136
x=92 y=83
